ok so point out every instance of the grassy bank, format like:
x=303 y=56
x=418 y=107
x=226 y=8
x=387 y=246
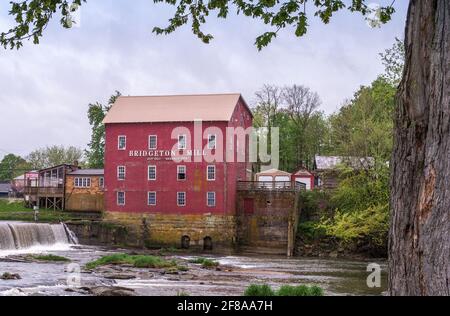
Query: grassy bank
x=15 y=211
x=12 y=206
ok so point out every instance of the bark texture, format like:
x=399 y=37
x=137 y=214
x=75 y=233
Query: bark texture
x=420 y=197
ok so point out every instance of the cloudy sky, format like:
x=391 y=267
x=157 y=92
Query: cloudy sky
x=46 y=89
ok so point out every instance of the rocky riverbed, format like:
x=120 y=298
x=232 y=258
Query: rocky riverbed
x=231 y=277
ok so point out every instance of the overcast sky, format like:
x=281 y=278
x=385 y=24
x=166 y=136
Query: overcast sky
x=46 y=89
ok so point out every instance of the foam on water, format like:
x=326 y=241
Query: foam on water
x=38 y=249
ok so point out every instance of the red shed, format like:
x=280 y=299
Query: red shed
x=162 y=154
x=305 y=177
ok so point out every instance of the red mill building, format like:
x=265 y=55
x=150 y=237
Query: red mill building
x=165 y=174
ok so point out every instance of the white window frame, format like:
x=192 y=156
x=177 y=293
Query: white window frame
x=185 y=142
x=118 y=142
x=207 y=199
x=101 y=182
x=124 y=173
x=178 y=172
x=124 y=198
x=148 y=173
x=148 y=198
x=149 y=142
x=207 y=172
x=178 y=199
x=82 y=182
x=209 y=141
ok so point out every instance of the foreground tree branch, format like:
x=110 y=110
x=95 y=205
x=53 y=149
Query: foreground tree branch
x=33 y=16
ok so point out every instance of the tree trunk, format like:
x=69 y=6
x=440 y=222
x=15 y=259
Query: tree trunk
x=420 y=184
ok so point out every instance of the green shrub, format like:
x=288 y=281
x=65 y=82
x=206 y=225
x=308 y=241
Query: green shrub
x=310 y=230
x=49 y=258
x=371 y=224
x=259 y=290
x=285 y=290
x=208 y=263
x=300 y=290
x=316 y=291
x=139 y=261
x=205 y=262
x=198 y=260
x=152 y=262
x=362 y=208
x=315 y=204
x=360 y=191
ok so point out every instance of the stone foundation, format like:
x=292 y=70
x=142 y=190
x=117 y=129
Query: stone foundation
x=156 y=230
x=267 y=221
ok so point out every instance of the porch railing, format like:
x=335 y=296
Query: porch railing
x=43 y=191
x=270 y=186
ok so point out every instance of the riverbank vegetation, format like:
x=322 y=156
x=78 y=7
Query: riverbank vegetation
x=354 y=217
x=49 y=258
x=138 y=261
x=205 y=262
x=7 y=205
x=284 y=290
x=16 y=211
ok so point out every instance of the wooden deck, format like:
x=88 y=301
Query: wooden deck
x=44 y=197
x=44 y=191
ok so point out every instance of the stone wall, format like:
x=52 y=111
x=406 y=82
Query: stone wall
x=267 y=221
x=101 y=233
x=156 y=230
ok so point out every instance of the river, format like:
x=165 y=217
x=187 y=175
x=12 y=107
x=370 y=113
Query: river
x=336 y=277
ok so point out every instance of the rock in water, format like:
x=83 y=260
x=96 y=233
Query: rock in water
x=112 y=291
x=10 y=276
x=119 y=276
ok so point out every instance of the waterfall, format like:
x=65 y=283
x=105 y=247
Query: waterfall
x=26 y=235
x=6 y=238
x=72 y=238
x=60 y=234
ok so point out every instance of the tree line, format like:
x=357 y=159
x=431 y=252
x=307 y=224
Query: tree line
x=362 y=127
x=12 y=165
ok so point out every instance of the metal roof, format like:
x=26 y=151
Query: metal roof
x=332 y=162
x=5 y=187
x=58 y=166
x=173 y=108
x=303 y=172
x=87 y=172
x=22 y=177
x=273 y=172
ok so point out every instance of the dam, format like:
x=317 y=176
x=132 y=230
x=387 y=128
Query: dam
x=17 y=235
